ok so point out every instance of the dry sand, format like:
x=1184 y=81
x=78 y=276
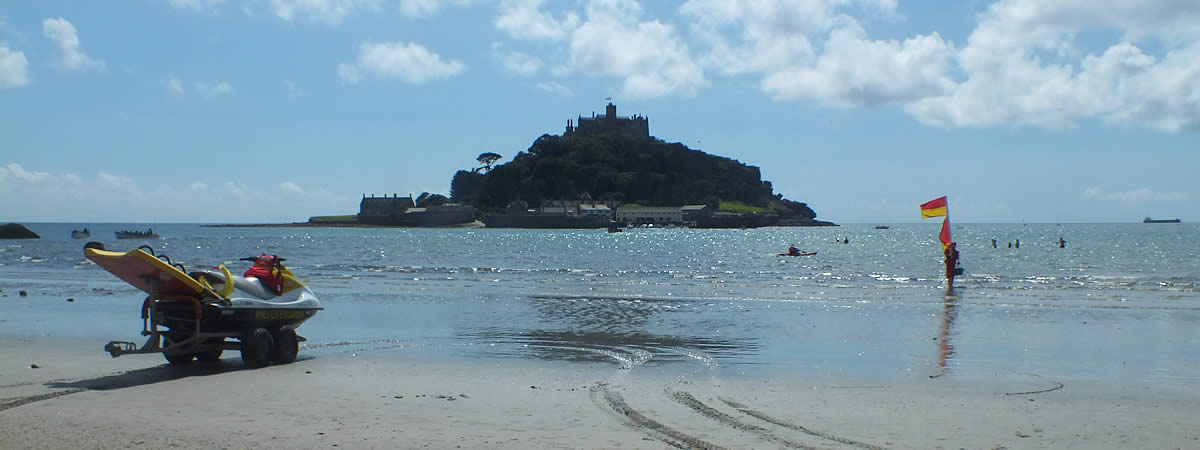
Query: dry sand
x=81 y=398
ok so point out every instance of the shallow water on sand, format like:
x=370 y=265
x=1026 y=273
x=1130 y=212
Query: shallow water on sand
x=1118 y=304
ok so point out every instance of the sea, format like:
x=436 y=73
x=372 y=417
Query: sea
x=1116 y=304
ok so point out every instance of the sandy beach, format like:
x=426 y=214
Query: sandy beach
x=351 y=396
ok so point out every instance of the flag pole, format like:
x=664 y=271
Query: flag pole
x=939 y=207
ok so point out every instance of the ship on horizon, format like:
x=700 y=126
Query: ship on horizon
x=1149 y=220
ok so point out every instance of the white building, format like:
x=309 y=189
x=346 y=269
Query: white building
x=660 y=215
x=595 y=209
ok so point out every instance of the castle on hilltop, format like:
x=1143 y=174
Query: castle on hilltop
x=637 y=126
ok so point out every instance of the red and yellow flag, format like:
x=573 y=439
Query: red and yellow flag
x=934 y=208
x=944 y=236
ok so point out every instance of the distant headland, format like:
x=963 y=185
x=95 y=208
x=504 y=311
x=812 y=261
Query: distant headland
x=603 y=171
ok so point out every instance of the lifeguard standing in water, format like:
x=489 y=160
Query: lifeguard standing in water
x=951 y=262
x=938 y=208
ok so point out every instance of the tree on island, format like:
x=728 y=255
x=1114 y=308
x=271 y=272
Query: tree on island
x=487 y=159
x=426 y=200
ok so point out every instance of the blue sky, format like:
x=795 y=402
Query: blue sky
x=278 y=110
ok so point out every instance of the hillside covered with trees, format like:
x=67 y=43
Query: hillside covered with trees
x=620 y=169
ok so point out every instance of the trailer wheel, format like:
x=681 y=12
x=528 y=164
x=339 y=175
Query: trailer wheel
x=212 y=355
x=257 y=346
x=287 y=346
x=179 y=359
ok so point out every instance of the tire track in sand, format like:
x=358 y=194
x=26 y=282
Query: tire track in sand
x=671 y=436
x=689 y=401
x=37 y=398
x=783 y=423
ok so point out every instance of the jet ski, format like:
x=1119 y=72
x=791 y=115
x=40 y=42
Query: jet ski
x=200 y=314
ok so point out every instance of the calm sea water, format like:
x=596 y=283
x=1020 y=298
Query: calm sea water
x=1118 y=304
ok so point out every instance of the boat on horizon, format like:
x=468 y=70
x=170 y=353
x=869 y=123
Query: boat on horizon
x=881 y=227
x=81 y=234
x=1149 y=220
x=133 y=234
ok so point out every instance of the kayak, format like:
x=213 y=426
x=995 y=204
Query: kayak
x=798 y=254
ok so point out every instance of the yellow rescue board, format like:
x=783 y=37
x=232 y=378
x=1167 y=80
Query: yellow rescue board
x=146 y=272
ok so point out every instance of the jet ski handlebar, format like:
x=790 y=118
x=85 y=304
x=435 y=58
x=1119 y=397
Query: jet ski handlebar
x=255 y=258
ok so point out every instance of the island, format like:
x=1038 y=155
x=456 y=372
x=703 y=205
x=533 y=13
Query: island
x=602 y=171
x=17 y=231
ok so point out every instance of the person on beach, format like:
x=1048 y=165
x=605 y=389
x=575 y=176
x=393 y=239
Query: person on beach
x=951 y=261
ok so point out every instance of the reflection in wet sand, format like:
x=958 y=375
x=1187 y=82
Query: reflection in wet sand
x=608 y=329
x=949 y=313
x=627 y=349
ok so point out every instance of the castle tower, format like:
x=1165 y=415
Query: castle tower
x=610 y=112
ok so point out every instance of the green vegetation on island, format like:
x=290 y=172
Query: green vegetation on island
x=622 y=169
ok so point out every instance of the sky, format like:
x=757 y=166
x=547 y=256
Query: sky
x=1020 y=111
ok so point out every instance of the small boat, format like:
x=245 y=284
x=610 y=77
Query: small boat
x=798 y=254
x=81 y=234
x=128 y=234
x=1149 y=220
x=881 y=227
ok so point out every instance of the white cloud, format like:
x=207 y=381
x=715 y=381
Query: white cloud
x=293 y=89
x=748 y=36
x=426 y=8
x=194 y=4
x=289 y=186
x=332 y=12
x=327 y=11
x=648 y=56
x=408 y=62
x=812 y=50
x=73 y=57
x=523 y=19
x=517 y=62
x=854 y=71
x=1022 y=67
x=105 y=196
x=1139 y=195
x=14 y=68
x=554 y=87
x=117 y=183
x=19 y=174
x=212 y=89
x=348 y=73
x=175 y=86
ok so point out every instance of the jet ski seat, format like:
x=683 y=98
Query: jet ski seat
x=253 y=286
x=250 y=285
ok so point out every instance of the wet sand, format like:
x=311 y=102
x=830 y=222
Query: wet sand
x=78 y=397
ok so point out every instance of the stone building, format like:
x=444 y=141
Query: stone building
x=381 y=209
x=637 y=126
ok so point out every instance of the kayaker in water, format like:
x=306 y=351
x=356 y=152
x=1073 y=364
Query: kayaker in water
x=792 y=250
